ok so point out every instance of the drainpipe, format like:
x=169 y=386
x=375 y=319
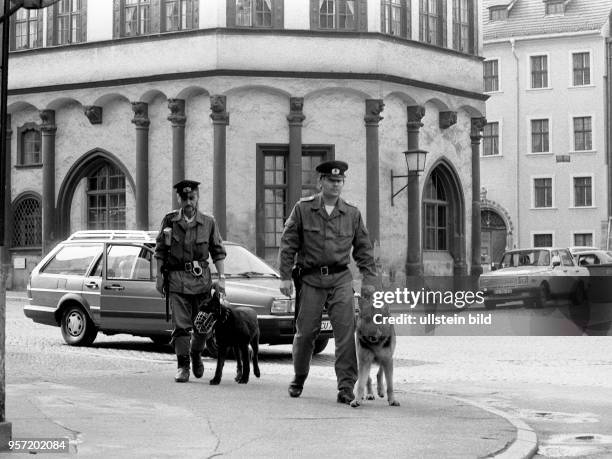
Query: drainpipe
x=517 y=238
x=608 y=129
x=608 y=93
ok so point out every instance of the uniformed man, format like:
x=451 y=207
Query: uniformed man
x=322 y=230
x=183 y=244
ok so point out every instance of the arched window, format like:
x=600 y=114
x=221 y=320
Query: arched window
x=106 y=199
x=436 y=206
x=27 y=222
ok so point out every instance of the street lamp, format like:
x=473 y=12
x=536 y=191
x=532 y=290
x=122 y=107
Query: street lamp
x=415 y=162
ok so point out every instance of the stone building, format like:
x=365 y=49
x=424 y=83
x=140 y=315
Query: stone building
x=545 y=167
x=113 y=102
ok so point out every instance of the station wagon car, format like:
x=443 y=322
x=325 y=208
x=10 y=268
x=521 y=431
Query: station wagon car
x=104 y=281
x=534 y=276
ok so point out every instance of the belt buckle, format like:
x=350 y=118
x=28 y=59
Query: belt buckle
x=188 y=266
x=325 y=270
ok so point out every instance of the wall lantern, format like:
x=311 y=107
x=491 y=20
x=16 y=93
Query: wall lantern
x=415 y=164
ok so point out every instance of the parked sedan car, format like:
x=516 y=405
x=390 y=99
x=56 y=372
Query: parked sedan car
x=534 y=276
x=592 y=257
x=104 y=281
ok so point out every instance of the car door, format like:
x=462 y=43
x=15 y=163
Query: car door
x=129 y=301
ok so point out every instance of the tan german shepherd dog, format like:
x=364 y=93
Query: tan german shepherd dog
x=375 y=344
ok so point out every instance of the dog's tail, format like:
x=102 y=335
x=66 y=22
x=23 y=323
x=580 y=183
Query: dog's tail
x=255 y=346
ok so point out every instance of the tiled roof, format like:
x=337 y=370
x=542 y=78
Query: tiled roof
x=527 y=18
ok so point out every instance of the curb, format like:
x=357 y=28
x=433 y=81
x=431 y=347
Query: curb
x=524 y=446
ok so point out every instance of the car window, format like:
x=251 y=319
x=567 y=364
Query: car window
x=130 y=262
x=239 y=261
x=566 y=258
x=72 y=260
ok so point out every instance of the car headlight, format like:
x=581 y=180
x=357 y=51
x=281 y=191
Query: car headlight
x=283 y=306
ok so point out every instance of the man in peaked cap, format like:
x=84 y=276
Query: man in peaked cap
x=318 y=238
x=183 y=244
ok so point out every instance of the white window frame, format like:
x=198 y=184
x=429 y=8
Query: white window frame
x=571 y=68
x=573 y=200
x=548 y=76
x=499 y=74
x=536 y=233
x=552 y=190
x=586 y=231
x=499 y=141
x=572 y=150
x=550 y=136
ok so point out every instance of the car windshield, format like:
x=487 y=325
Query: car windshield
x=526 y=258
x=240 y=262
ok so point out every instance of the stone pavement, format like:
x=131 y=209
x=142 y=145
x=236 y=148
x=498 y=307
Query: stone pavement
x=148 y=415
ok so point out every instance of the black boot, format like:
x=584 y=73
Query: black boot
x=182 y=374
x=297 y=385
x=346 y=396
x=196 y=364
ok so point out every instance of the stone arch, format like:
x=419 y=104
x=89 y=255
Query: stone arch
x=84 y=166
x=487 y=204
x=449 y=178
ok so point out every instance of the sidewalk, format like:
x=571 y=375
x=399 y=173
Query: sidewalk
x=151 y=416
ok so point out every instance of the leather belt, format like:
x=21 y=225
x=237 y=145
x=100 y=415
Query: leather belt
x=324 y=270
x=187 y=266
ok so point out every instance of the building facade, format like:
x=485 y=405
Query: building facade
x=113 y=102
x=545 y=167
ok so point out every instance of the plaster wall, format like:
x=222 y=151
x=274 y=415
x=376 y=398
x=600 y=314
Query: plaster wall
x=180 y=53
x=99 y=20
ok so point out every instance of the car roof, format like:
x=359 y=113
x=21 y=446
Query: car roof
x=528 y=249
x=117 y=235
x=583 y=248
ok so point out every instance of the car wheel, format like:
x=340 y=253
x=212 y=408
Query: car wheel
x=543 y=296
x=579 y=295
x=320 y=344
x=160 y=339
x=488 y=304
x=77 y=327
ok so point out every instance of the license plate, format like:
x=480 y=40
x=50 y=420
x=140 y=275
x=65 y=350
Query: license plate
x=326 y=325
x=502 y=291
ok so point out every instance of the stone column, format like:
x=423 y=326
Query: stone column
x=142 y=122
x=48 y=129
x=294 y=170
x=373 y=107
x=477 y=124
x=8 y=215
x=177 y=118
x=414 y=256
x=220 y=118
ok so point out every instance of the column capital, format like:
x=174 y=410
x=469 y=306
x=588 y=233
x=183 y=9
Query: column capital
x=48 y=121
x=296 y=116
x=217 y=106
x=373 y=109
x=177 y=112
x=476 y=125
x=93 y=113
x=447 y=119
x=141 y=114
x=415 y=115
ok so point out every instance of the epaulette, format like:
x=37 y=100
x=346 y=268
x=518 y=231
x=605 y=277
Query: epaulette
x=172 y=213
x=348 y=203
x=308 y=198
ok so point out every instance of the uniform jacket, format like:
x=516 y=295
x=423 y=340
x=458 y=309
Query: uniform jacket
x=190 y=241
x=320 y=239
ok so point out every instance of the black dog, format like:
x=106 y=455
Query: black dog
x=235 y=328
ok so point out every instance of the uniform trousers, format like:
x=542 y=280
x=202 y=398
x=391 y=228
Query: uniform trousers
x=339 y=302
x=185 y=338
